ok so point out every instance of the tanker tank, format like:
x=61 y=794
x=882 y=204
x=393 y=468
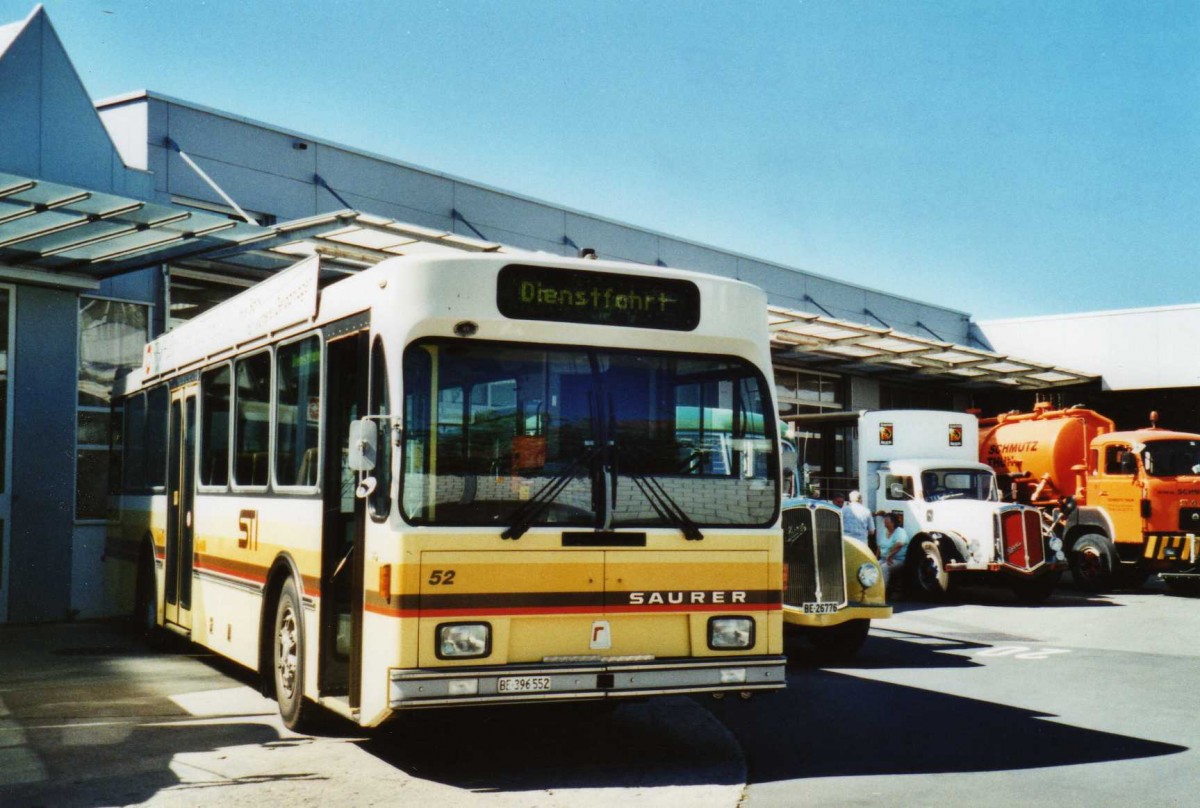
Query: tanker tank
x=1042 y=454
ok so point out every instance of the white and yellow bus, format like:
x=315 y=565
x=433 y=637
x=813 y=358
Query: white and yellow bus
x=462 y=480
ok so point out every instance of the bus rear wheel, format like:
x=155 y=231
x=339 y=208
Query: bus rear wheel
x=287 y=660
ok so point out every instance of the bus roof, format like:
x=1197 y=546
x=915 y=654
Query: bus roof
x=293 y=299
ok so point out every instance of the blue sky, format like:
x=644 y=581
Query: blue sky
x=1003 y=158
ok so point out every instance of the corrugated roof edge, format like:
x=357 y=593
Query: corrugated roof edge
x=139 y=95
x=1084 y=315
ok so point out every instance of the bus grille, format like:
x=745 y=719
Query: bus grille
x=815 y=571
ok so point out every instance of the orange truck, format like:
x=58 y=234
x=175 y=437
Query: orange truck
x=1126 y=504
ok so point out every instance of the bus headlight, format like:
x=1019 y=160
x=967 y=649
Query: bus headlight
x=868 y=575
x=730 y=632
x=463 y=640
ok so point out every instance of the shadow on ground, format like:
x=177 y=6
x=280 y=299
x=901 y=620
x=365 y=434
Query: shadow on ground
x=91 y=723
x=664 y=742
x=828 y=724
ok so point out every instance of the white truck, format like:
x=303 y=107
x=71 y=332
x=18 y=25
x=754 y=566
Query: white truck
x=922 y=466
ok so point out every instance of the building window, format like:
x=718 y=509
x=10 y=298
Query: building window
x=804 y=391
x=112 y=335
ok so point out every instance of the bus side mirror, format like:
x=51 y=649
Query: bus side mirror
x=896 y=491
x=363 y=437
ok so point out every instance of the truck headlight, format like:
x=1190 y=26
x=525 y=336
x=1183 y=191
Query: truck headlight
x=1055 y=544
x=463 y=640
x=868 y=575
x=725 y=633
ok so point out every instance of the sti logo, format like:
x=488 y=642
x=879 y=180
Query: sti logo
x=601 y=635
x=885 y=434
x=956 y=434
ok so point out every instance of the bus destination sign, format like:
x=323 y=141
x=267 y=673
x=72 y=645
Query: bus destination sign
x=597 y=298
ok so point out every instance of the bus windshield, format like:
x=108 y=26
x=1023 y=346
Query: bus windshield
x=1171 y=458
x=959 y=484
x=610 y=438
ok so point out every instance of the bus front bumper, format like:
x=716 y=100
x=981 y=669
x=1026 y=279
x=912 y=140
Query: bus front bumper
x=592 y=680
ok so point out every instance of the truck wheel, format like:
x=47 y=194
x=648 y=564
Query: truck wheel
x=928 y=573
x=1036 y=590
x=1093 y=562
x=288 y=660
x=841 y=642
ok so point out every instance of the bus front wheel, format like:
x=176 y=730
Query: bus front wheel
x=288 y=660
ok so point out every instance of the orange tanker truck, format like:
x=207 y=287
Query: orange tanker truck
x=1126 y=504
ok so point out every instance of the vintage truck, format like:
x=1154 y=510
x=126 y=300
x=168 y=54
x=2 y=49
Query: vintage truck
x=921 y=466
x=1125 y=504
x=832 y=585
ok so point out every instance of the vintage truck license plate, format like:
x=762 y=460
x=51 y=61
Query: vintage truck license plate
x=522 y=684
x=820 y=608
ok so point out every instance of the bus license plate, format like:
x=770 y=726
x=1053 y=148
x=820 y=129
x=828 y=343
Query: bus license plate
x=522 y=684
x=820 y=608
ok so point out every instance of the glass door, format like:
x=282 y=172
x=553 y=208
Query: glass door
x=181 y=488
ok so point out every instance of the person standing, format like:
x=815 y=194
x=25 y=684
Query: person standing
x=858 y=523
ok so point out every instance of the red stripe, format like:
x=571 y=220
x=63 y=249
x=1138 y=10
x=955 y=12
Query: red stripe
x=311 y=591
x=389 y=611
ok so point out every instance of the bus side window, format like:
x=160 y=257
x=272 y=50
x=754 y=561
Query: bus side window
x=157 y=403
x=297 y=411
x=252 y=419
x=214 y=426
x=134 y=460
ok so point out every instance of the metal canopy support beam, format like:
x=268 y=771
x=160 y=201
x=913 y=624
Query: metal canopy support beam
x=885 y=351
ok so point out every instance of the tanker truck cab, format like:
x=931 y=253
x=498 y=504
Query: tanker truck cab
x=1126 y=504
x=921 y=467
x=1147 y=483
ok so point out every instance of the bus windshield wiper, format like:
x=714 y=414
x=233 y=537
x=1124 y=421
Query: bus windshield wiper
x=528 y=512
x=664 y=505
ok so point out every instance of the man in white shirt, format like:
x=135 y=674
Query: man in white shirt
x=858 y=522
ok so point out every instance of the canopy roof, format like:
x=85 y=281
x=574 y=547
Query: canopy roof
x=866 y=349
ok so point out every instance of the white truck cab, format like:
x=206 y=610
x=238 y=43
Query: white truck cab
x=922 y=467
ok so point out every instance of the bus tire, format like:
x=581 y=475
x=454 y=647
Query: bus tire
x=841 y=642
x=1093 y=562
x=927 y=570
x=287 y=660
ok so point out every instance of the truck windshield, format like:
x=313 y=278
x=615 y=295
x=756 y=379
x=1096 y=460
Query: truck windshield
x=939 y=484
x=598 y=437
x=1171 y=458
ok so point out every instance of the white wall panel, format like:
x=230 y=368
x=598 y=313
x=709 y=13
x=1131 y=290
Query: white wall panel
x=375 y=180
x=611 y=240
x=1134 y=349
x=682 y=255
